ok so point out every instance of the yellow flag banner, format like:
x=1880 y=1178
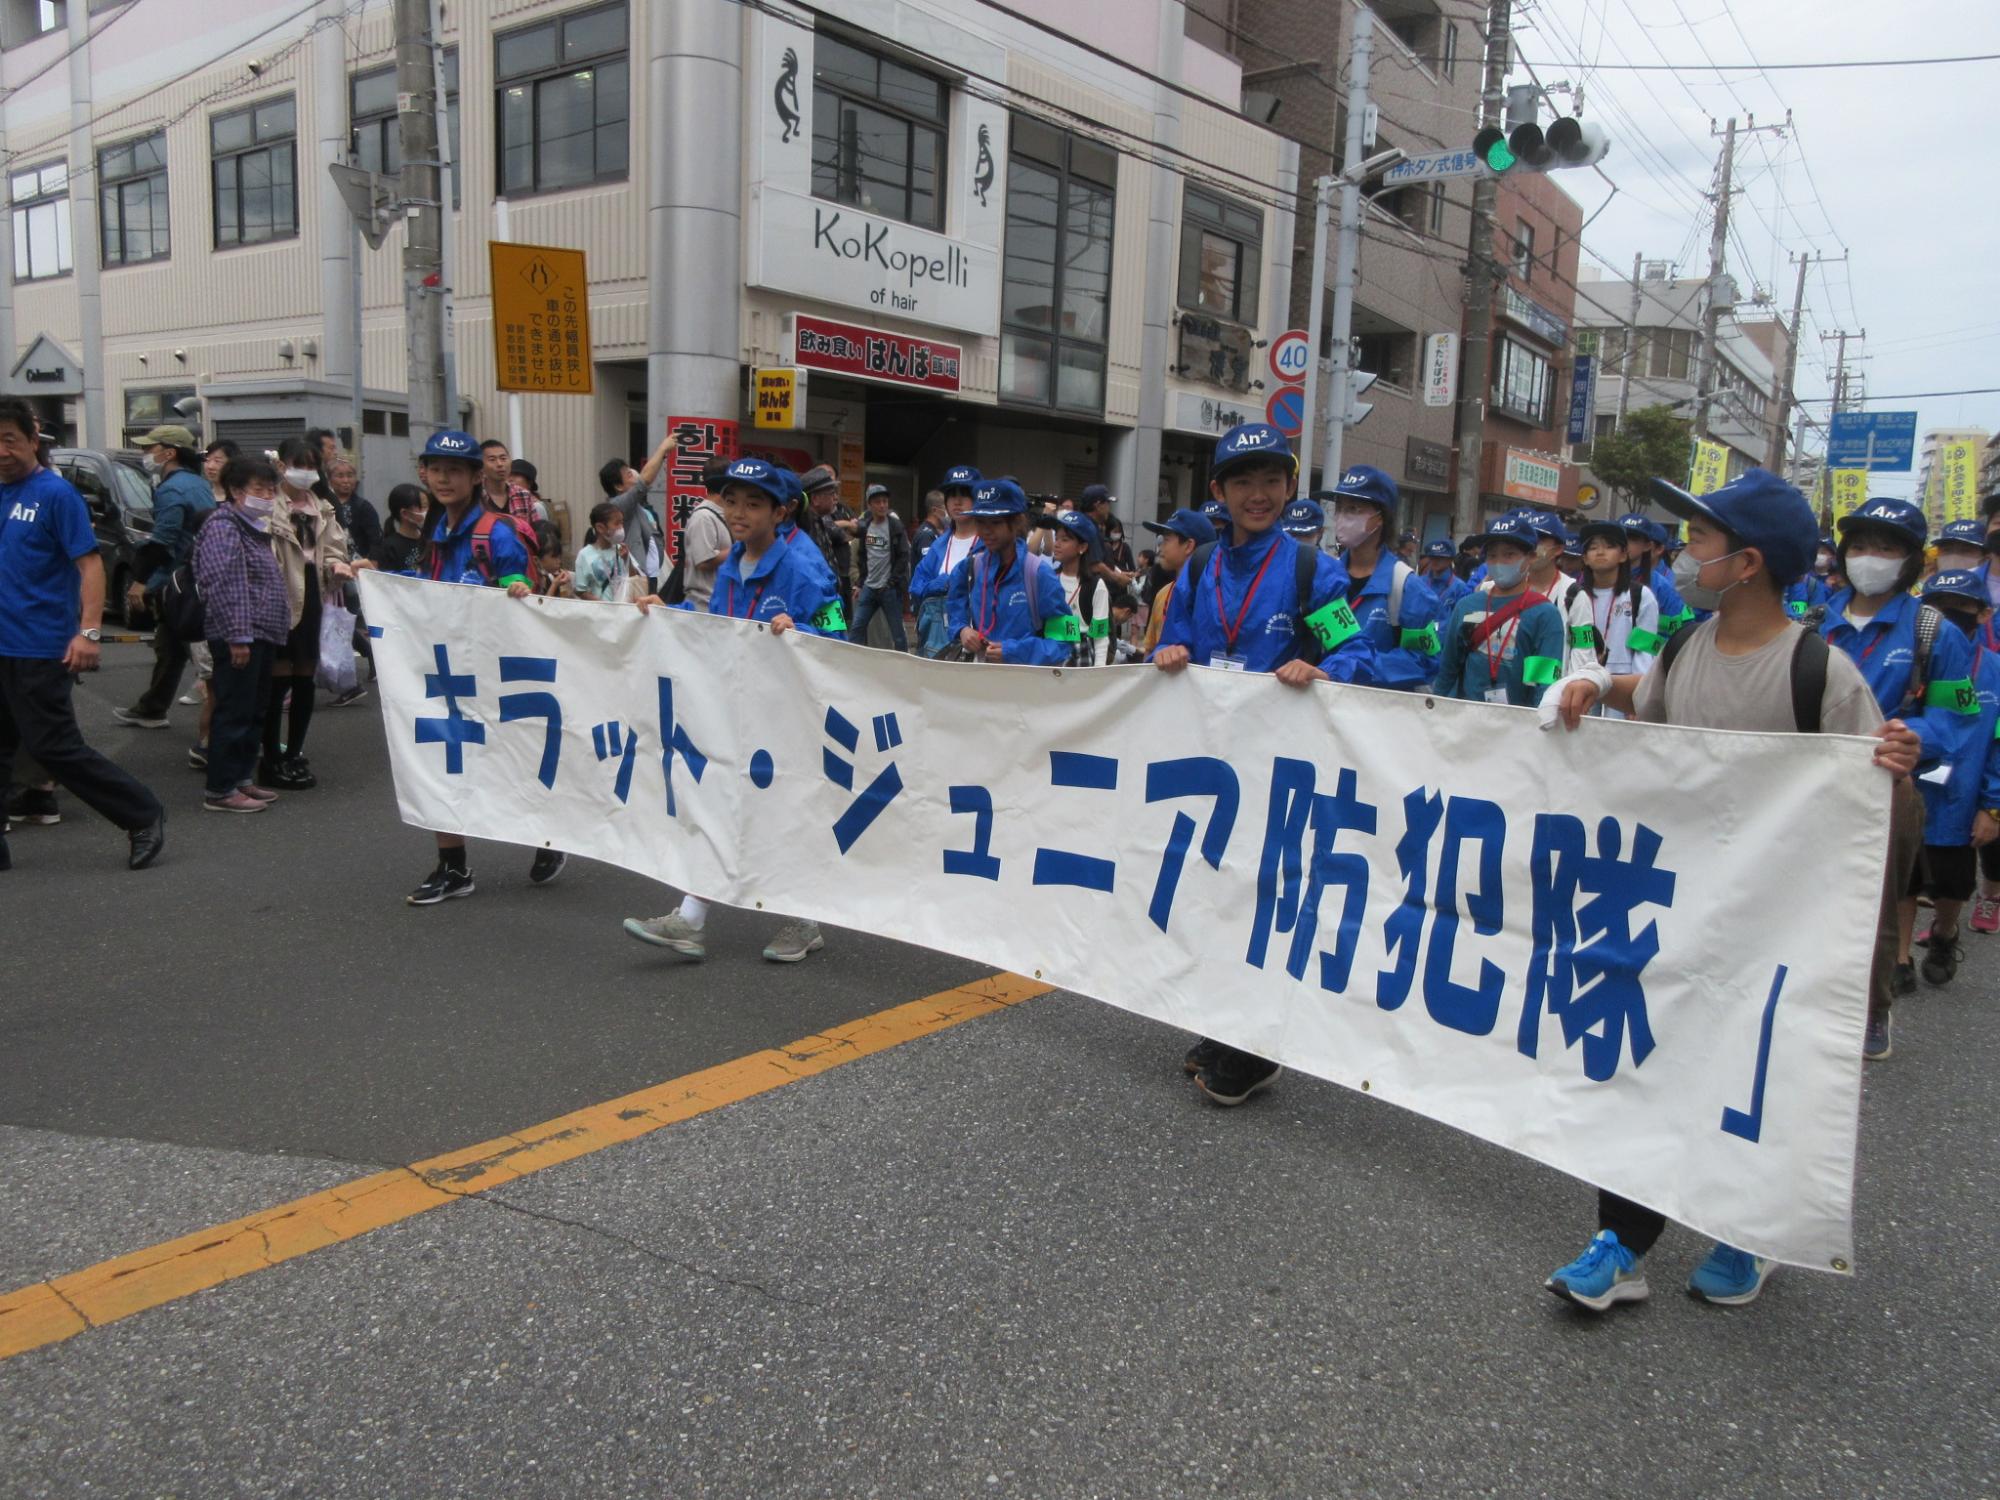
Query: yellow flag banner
x=1850 y=491
x=1711 y=468
x=1959 y=469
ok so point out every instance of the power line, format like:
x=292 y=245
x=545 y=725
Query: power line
x=1753 y=66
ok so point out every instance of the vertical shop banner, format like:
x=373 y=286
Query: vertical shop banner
x=1441 y=369
x=1582 y=398
x=852 y=462
x=698 y=441
x=1959 y=469
x=1569 y=945
x=1710 y=470
x=1850 y=491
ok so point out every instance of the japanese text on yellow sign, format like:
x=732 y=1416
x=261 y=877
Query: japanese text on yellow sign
x=1850 y=491
x=774 y=396
x=1711 y=468
x=1960 y=472
x=541 y=320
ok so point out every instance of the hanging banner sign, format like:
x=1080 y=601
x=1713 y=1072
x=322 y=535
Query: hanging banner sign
x=1710 y=470
x=1958 y=474
x=1441 y=369
x=1582 y=398
x=1553 y=941
x=697 y=442
x=1850 y=491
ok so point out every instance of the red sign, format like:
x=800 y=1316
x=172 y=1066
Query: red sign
x=697 y=441
x=875 y=354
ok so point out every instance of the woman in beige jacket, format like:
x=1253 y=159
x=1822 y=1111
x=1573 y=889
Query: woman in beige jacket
x=312 y=553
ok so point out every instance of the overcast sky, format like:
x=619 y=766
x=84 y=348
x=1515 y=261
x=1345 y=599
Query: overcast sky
x=1919 y=221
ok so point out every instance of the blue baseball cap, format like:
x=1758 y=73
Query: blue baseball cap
x=1890 y=515
x=1644 y=527
x=960 y=477
x=1610 y=531
x=1076 y=523
x=1247 y=444
x=794 y=491
x=1215 y=510
x=1969 y=533
x=759 y=475
x=448 y=442
x=1959 y=583
x=1302 y=518
x=1442 y=549
x=1760 y=510
x=1189 y=524
x=1092 y=493
x=1365 y=483
x=1512 y=530
x=998 y=497
x=1547 y=523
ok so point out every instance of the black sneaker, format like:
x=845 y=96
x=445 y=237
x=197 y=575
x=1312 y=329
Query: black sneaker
x=1903 y=983
x=1202 y=1054
x=444 y=884
x=1235 y=1076
x=548 y=864
x=198 y=757
x=6 y=857
x=33 y=804
x=1942 y=957
x=290 y=775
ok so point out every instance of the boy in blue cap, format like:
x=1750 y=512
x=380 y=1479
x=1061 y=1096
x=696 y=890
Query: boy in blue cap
x=1180 y=535
x=1256 y=601
x=1750 y=667
x=1916 y=666
x=1961 y=547
x=1438 y=562
x=471 y=544
x=1503 y=642
x=1006 y=604
x=1396 y=607
x=1304 y=521
x=786 y=585
x=932 y=579
x=1961 y=814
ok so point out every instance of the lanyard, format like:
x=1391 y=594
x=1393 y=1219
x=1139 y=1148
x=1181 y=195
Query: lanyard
x=989 y=596
x=755 y=598
x=1869 y=650
x=1230 y=632
x=1495 y=658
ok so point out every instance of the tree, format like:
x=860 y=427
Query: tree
x=1652 y=443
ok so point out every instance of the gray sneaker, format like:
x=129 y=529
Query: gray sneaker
x=671 y=931
x=793 y=942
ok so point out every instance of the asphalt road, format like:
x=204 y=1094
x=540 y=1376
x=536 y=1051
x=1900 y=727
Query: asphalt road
x=1015 y=1258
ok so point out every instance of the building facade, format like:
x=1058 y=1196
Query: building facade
x=974 y=236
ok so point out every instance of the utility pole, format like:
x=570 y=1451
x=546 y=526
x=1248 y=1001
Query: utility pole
x=85 y=252
x=1631 y=338
x=423 y=232
x=1711 y=317
x=1471 y=415
x=1346 y=251
x=1839 y=399
x=1788 y=394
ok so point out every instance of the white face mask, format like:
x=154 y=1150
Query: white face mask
x=617 y=538
x=152 y=464
x=1874 y=575
x=1687 y=573
x=1506 y=575
x=1352 y=530
x=301 y=479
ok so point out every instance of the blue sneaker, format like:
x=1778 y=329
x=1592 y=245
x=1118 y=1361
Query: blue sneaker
x=1729 y=1277
x=1604 y=1274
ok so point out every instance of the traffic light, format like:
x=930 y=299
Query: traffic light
x=1524 y=145
x=1358 y=382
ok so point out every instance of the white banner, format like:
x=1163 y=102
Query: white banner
x=1636 y=953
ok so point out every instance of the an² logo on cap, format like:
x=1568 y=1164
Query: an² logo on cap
x=743 y=468
x=1353 y=476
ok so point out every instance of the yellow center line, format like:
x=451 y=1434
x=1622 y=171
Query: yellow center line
x=50 y=1311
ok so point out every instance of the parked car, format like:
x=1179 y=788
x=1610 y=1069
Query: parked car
x=114 y=485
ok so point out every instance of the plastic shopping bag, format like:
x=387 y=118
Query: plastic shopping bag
x=339 y=671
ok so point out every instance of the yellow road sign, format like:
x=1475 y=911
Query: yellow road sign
x=541 y=320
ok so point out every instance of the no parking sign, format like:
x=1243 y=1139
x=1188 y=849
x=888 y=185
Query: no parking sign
x=1286 y=410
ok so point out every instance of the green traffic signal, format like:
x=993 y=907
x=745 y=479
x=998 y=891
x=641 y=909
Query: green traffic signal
x=1500 y=158
x=1491 y=147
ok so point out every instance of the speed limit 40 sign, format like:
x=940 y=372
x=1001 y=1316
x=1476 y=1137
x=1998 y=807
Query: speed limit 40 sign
x=1290 y=353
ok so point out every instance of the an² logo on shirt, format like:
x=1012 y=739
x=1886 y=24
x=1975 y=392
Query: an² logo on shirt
x=23 y=512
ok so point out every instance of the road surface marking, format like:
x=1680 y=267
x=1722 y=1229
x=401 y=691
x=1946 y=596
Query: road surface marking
x=50 y=1311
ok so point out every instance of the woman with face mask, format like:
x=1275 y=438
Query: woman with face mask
x=247 y=619
x=1503 y=644
x=312 y=552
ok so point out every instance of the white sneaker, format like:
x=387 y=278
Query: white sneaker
x=793 y=942
x=671 y=931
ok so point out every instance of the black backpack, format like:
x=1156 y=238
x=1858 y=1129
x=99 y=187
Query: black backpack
x=1810 y=654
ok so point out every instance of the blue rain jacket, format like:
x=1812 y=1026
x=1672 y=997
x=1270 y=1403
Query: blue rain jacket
x=994 y=601
x=1885 y=651
x=1258 y=582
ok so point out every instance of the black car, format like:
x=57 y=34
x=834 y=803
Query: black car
x=114 y=485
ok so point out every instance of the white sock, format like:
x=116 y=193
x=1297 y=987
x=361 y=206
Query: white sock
x=694 y=911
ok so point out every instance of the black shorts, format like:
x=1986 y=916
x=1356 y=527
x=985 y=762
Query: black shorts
x=1989 y=861
x=1947 y=872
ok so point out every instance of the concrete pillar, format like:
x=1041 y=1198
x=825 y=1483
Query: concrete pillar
x=8 y=349
x=337 y=248
x=83 y=233
x=1136 y=455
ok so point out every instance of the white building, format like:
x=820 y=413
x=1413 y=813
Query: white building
x=987 y=239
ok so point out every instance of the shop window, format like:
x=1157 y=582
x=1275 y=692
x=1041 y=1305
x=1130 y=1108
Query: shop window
x=564 y=102
x=40 y=200
x=375 y=141
x=1523 y=250
x=132 y=196
x=254 y=155
x=878 y=133
x=1055 y=296
x=1221 y=246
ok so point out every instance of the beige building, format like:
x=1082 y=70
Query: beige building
x=982 y=238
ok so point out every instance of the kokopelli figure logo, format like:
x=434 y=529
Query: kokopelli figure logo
x=982 y=168
x=786 y=95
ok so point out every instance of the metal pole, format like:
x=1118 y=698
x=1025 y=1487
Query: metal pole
x=1346 y=250
x=1631 y=338
x=503 y=233
x=447 y=176
x=1315 y=320
x=423 y=246
x=1479 y=292
x=360 y=436
x=338 y=252
x=1777 y=464
x=1711 y=317
x=85 y=255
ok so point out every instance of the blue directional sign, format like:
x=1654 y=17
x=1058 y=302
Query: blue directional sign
x=1895 y=434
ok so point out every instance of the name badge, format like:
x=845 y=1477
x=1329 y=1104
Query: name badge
x=1229 y=663
x=1496 y=695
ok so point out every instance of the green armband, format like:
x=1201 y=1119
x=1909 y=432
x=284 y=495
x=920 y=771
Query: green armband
x=1540 y=671
x=1956 y=695
x=1334 y=624
x=1061 y=628
x=831 y=619
x=1798 y=609
x=510 y=580
x=1645 y=641
x=1583 y=637
x=1424 y=642
x=1100 y=630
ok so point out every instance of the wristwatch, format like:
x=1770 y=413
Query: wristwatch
x=93 y=636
